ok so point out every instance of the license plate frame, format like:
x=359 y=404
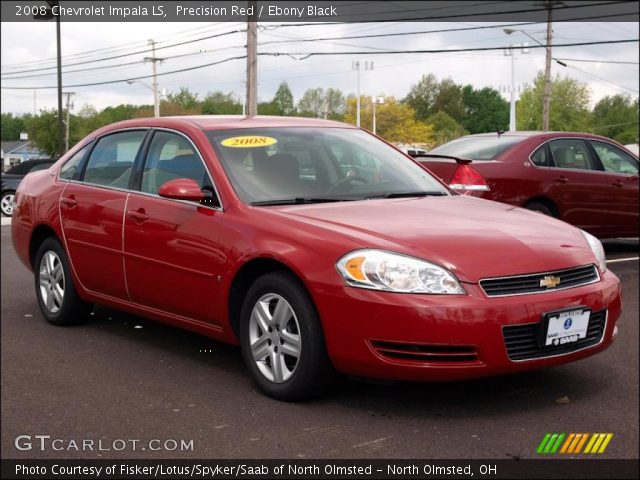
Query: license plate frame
x=580 y=315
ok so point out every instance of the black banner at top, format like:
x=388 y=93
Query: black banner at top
x=320 y=11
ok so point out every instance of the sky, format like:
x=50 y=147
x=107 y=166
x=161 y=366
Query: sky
x=32 y=46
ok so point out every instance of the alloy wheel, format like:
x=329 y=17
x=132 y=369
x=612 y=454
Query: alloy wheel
x=7 y=204
x=274 y=338
x=52 y=281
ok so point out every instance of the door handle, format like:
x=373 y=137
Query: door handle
x=70 y=201
x=138 y=215
x=561 y=179
x=617 y=183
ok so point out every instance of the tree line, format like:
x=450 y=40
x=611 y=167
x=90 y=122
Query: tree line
x=433 y=112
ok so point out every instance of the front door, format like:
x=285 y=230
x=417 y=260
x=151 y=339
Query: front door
x=172 y=252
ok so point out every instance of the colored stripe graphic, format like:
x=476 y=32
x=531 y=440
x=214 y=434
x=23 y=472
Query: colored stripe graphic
x=574 y=442
x=551 y=443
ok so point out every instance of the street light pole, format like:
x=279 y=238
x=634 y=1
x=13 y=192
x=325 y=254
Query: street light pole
x=59 y=64
x=546 y=94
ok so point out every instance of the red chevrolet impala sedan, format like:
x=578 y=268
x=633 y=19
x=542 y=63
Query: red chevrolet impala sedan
x=586 y=180
x=316 y=246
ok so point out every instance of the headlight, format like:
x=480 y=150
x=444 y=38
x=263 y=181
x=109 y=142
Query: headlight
x=392 y=272
x=597 y=249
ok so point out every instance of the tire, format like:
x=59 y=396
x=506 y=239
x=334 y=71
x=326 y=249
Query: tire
x=540 y=207
x=279 y=302
x=57 y=297
x=6 y=203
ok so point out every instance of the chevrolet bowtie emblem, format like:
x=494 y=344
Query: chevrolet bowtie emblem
x=550 y=281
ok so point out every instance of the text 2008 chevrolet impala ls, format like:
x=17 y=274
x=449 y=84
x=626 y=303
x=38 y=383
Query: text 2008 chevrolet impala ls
x=316 y=246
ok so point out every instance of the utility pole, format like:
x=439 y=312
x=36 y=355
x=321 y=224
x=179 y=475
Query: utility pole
x=34 y=103
x=357 y=67
x=66 y=131
x=546 y=93
x=153 y=59
x=252 y=60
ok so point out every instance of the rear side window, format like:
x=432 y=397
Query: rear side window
x=111 y=161
x=615 y=160
x=539 y=157
x=70 y=167
x=571 y=153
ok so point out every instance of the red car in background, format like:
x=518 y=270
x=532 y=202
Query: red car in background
x=261 y=231
x=586 y=180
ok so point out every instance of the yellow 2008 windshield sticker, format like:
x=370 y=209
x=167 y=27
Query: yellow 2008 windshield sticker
x=249 y=141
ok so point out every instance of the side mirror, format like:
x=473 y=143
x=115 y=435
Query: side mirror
x=182 y=189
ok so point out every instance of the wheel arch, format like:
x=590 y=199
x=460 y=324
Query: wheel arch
x=546 y=201
x=39 y=235
x=244 y=278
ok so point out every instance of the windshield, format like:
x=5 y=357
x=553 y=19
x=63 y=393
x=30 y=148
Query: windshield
x=300 y=165
x=477 y=148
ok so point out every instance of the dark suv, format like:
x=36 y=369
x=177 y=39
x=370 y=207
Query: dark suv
x=10 y=180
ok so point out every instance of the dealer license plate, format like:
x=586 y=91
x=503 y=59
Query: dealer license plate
x=565 y=327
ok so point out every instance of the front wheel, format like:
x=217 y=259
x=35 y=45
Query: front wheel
x=541 y=208
x=282 y=339
x=57 y=296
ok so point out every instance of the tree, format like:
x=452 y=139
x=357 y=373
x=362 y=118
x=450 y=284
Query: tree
x=449 y=100
x=43 y=131
x=422 y=96
x=219 y=103
x=616 y=117
x=335 y=104
x=283 y=100
x=184 y=98
x=569 y=110
x=485 y=110
x=312 y=103
x=395 y=122
x=11 y=126
x=444 y=127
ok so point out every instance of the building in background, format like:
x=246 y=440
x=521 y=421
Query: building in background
x=16 y=151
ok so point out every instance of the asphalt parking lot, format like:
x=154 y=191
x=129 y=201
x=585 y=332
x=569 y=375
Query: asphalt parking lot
x=123 y=377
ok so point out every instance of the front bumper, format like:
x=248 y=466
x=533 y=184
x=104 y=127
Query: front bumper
x=356 y=321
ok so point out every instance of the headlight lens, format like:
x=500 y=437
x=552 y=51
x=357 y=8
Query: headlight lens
x=392 y=272
x=597 y=249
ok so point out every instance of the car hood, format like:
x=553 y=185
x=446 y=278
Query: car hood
x=473 y=238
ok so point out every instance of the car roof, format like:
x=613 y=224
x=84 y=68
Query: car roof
x=533 y=133
x=226 y=122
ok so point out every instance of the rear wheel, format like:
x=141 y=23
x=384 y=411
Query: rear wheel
x=540 y=207
x=282 y=339
x=6 y=203
x=57 y=296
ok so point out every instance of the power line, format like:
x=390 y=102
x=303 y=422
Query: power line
x=309 y=54
x=596 y=61
x=113 y=48
x=106 y=82
x=138 y=52
x=477 y=49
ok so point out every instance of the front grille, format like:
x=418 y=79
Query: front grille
x=425 y=353
x=522 y=340
x=522 y=284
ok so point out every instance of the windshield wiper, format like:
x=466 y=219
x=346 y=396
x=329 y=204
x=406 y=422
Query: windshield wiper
x=299 y=201
x=434 y=193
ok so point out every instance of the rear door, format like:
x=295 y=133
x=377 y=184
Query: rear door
x=620 y=179
x=92 y=207
x=575 y=185
x=173 y=256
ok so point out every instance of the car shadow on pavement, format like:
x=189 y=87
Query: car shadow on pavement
x=494 y=396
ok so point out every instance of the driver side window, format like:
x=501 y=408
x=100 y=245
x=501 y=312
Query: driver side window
x=171 y=156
